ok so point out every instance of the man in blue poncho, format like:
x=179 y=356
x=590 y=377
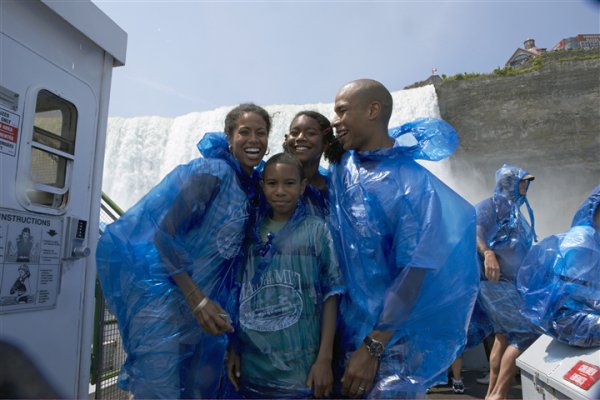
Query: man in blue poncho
x=560 y=280
x=503 y=239
x=407 y=252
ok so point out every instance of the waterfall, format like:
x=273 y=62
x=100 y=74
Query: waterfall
x=140 y=151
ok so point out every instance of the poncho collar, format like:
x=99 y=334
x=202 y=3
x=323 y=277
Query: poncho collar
x=422 y=139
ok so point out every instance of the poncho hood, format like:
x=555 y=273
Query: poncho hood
x=585 y=214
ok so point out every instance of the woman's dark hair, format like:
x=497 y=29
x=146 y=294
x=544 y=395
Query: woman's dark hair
x=285 y=158
x=334 y=151
x=234 y=114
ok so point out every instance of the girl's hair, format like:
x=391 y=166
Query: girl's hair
x=285 y=158
x=234 y=114
x=334 y=151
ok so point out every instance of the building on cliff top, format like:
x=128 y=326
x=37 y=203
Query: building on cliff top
x=521 y=55
x=581 y=41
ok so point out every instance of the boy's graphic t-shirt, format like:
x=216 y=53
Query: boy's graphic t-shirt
x=281 y=303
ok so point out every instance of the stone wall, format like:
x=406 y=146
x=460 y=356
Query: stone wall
x=546 y=121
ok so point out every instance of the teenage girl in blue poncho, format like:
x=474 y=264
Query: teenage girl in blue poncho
x=310 y=137
x=167 y=266
x=283 y=345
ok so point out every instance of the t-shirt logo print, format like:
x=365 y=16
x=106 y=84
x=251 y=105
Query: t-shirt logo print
x=272 y=305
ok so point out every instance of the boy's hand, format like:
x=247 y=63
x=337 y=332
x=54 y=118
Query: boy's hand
x=233 y=368
x=320 y=378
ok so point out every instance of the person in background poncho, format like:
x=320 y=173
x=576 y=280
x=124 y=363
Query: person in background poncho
x=168 y=264
x=503 y=239
x=407 y=251
x=559 y=280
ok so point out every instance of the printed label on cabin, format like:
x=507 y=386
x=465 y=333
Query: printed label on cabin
x=9 y=132
x=29 y=261
x=583 y=374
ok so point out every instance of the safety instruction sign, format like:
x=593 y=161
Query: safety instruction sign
x=9 y=132
x=30 y=272
x=583 y=374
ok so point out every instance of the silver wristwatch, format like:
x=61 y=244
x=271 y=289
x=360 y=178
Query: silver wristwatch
x=375 y=347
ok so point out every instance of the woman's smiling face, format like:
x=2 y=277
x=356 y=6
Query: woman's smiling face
x=249 y=140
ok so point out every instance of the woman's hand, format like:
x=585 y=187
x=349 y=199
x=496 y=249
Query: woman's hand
x=212 y=318
x=233 y=368
x=320 y=378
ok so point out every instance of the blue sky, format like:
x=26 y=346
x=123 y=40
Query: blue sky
x=188 y=56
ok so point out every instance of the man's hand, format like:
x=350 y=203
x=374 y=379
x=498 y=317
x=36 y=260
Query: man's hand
x=233 y=368
x=320 y=378
x=492 y=268
x=360 y=373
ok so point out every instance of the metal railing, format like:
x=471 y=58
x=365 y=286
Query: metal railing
x=108 y=354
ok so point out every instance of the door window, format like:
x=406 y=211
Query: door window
x=52 y=151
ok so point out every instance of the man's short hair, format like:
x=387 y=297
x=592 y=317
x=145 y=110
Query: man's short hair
x=371 y=90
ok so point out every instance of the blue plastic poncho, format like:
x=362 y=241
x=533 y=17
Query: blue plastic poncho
x=283 y=284
x=560 y=280
x=194 y=221
x=315 y=201
x=505 y=230
x=400 y=227
x=480 y=326
x=502 y=225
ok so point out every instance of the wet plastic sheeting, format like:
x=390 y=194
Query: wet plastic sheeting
x=560 y=280
x=401 y=227
x=194 y=221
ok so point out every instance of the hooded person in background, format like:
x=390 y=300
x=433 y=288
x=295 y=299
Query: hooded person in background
x=503 y=239
x=560 y=280
x=407 y=251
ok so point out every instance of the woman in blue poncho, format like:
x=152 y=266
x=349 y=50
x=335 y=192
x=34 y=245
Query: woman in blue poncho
x=168 y=264
x=310 y=137
x=503 y=239
x=560 y=280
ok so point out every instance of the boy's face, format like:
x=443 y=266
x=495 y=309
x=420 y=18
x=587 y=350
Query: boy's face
x=283 y=187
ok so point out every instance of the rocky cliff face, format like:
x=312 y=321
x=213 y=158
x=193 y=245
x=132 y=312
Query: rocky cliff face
x=546 y=121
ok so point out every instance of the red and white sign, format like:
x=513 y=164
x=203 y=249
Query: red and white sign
x=583 y=374
x=9 y=132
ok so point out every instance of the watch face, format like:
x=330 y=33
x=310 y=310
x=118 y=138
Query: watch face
x=376 y=348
